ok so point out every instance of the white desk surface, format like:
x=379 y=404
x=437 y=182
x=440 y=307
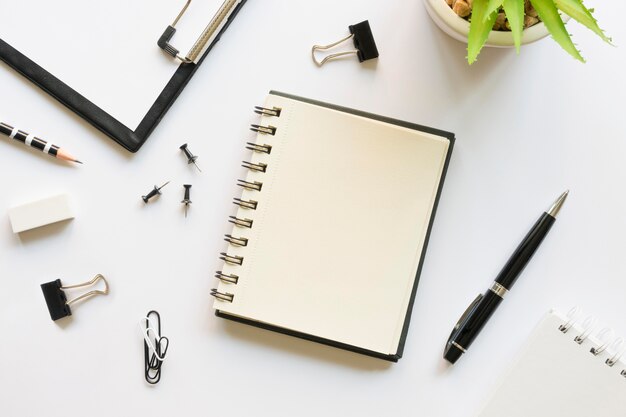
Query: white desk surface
x=528 y=127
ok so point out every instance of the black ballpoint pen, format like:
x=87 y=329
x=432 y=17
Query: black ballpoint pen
x=478 y=313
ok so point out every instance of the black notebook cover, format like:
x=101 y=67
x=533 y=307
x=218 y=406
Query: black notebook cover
x=405 y=328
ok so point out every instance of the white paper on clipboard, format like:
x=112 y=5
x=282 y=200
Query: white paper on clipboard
x=106 y=50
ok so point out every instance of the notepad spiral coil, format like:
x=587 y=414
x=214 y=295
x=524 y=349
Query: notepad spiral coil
x=613 y=348
x=252 y=186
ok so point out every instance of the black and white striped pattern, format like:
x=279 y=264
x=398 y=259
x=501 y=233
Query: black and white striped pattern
x=29 y=140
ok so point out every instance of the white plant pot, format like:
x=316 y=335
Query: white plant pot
x=458 y=28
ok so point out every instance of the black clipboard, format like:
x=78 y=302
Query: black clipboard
x=94 y=115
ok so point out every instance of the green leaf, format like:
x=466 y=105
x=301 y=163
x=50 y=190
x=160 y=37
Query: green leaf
x=514 y=10
x=550 y=16
x=480 y=25
x=577 y=10
x=493 y=6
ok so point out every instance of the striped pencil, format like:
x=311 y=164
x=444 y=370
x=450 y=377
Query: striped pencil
x=35 y=142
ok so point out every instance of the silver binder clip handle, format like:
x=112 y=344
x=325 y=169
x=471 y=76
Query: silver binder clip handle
x=331 y=56
x=95 y=279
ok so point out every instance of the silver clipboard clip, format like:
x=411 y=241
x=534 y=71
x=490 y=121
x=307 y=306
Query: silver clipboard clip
x=207 y=37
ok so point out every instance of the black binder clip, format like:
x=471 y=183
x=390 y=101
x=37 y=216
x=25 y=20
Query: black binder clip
x=154 y=347
x=363 y=42
x=58 y=306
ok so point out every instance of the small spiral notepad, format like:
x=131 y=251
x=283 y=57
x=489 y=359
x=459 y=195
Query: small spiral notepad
x=566 y=369
x=332 y=225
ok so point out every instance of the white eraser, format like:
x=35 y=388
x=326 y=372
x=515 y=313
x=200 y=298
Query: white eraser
x=40 y=213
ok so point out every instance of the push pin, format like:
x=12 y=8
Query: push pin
x=361 y=33
x=156 y=191
x=58 y=306
x=191 y=158
x=186 y=201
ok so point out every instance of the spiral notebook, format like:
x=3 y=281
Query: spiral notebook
x=563 y=371
x=332 y=225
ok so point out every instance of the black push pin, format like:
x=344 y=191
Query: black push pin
x=186 y=201
x=364 y=45
x=156 y=191
x=191 y=158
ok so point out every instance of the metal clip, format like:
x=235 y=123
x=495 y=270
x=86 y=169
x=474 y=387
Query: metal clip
x=56 y=300
x=207 y=37
x=364 y=44
x=155 y=347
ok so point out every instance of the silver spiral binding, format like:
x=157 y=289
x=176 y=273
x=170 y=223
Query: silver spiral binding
x=619 y=352
x=227 y=278
x=572 y=318
x=260 y=167
x=588 y=327
x=222 y=296
x=240 y=222
x=605 y=334
x=256 y=167
x=237 y=241
x=266 y=130
x=251 y=186
x=259 y=148
x=247 y=204
x=264 y=111
x=231 y=259
x=614 y=348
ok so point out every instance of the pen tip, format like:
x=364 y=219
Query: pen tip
x=556 y=207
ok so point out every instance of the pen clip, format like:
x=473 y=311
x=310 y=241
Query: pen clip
x=465 y=315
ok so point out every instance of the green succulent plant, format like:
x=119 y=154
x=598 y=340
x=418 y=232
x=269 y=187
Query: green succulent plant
x=484 y=13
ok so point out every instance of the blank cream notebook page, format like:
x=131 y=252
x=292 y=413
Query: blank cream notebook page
x=339 y=228
x=556 y=376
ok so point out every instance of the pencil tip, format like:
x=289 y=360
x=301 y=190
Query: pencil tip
x=78 y=162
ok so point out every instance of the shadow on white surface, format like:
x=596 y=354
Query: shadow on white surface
x=464 y=78
x=301 y=347
x=31 y=236
x=65 y=322
x=369 y=65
